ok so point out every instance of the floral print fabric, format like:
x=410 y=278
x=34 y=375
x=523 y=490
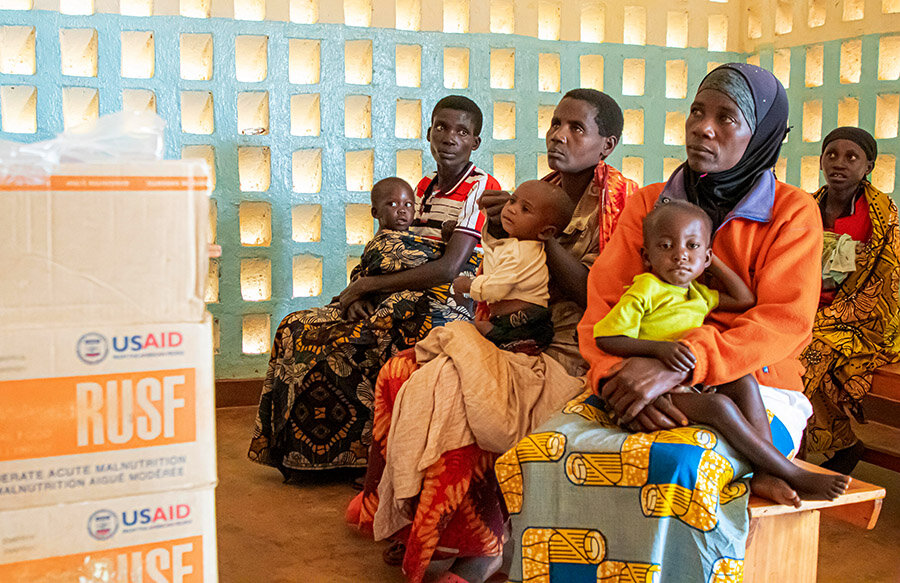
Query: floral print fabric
x=856 y=333
x=315 y=408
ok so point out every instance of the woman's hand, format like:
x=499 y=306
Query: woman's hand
x=461 y=285
x=568 y=274
x=636 y=383
x=353 y=293
x=658 y=415
x=359 y=310
x=491 y=204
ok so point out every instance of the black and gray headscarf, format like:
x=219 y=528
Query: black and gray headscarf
x=763 y=101
x=859 y=136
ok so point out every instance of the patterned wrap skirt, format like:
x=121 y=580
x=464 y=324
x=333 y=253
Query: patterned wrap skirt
x=459 y=512
x=317 y=398
x=589 y=502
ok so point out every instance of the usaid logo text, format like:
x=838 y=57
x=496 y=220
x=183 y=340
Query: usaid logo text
x=140 y=342
x=102 y=524
x=92 y=348
x=159 y=516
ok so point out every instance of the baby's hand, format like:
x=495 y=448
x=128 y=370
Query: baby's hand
x=675 y=355
x=461 y=285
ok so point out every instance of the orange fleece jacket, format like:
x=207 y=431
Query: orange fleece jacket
x=781 y=262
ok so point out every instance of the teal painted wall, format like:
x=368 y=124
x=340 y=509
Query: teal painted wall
x=830 y=93
x=332 y=247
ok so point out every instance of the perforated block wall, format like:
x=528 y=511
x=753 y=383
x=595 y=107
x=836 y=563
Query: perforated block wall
x=299 y=119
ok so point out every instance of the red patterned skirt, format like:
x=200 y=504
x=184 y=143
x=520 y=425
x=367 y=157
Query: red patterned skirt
x=460 y=511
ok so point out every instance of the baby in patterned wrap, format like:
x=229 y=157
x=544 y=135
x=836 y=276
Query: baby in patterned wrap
x=392 y=206
x=663 y=304
x=515 y=278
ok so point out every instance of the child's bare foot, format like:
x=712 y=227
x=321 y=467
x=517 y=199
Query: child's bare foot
x=775 y=489
x=817 y=486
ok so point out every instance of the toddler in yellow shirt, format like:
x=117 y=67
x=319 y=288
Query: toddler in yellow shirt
x=514 y=275
x=664 y=303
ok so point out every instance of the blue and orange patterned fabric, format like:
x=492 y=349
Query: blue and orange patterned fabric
x=673 y=507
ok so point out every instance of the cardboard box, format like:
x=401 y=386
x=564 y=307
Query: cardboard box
x=167 y=537
x=92 y=412
x=105 y=244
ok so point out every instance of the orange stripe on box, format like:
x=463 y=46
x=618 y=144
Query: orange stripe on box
x=172 y=560
x=108 y=183
x=87 y=414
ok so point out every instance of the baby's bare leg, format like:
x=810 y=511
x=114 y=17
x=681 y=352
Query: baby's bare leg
x=745 y=394
x=721 y=413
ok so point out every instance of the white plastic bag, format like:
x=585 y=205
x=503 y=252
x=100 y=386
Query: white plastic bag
x=124 y=136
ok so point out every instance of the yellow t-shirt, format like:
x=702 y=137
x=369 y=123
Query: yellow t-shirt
x=651 y=309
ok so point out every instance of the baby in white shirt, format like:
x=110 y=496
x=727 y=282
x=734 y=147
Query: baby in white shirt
x=514 y=275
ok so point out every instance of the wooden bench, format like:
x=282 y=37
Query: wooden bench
x=783 y=546
x=882 y=409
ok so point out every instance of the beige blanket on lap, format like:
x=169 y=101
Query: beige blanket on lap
x=466 y=391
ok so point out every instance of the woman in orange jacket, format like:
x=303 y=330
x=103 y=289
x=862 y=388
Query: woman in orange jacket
x=664 y=500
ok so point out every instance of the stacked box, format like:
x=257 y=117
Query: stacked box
x=93 y=412
x=105 y=244
x=107 y=454
x=163 y=537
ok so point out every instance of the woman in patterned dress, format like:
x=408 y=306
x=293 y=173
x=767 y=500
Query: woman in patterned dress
x=315 y=407
x=856 y=325
x=592 y=502
x=458 y=514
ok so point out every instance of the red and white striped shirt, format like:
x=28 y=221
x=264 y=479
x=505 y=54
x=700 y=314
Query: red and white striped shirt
x=460 y=204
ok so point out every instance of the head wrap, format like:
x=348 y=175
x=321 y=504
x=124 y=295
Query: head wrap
x=858 y=136
x=719 y=192
x=732 y=84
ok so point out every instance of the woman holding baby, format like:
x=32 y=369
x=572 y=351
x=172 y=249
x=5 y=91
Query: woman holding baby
x=589 y=500
x=447 y=505
x=315 y=407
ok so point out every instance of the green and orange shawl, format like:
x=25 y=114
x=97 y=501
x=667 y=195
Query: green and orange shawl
x=857 y=333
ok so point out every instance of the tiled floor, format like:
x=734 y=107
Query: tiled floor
x=270 y=532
